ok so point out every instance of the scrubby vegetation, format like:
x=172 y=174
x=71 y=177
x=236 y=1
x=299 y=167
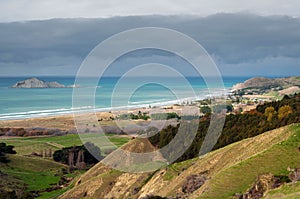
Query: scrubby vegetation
x=238 y=127
x=5 y=149
x=145 y=116
x=205 y=109
x=164 y=116
x=139 y=116
x=218 y=108
x=25 y=132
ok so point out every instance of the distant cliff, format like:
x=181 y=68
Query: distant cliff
x=37 y=83
x=263 y=85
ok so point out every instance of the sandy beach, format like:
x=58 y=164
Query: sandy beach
x=66 y=122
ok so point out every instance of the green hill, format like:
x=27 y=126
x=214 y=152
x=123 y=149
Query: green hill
x=28 y=174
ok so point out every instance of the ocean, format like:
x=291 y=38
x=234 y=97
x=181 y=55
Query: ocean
x=16 y=103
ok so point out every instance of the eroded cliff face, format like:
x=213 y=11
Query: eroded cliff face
x=104 y=182
x=189 y=179
x=37 y=83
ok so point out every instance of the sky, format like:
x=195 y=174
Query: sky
x=244 y=38
x=19 y=10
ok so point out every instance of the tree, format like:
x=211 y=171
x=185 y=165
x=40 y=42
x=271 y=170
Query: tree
x=3 y=158
x=284 y=111
x=219 y=108
x=4 y=149
x=229 y=108
x=269 y=112
x=205 y=109
x=7 y=148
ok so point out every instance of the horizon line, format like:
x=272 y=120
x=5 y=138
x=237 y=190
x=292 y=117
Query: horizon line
x=147 y=15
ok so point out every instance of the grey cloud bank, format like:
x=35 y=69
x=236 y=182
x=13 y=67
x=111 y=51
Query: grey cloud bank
x=241 y=44
x=19 y=10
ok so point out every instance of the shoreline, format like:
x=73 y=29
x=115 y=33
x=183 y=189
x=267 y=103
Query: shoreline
x=64 y=112
x=66 y=121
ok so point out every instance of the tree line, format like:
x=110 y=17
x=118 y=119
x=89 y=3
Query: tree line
x=237 y=127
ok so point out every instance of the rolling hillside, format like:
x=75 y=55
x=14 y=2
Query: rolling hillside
x=219 y=174
x=28 y=176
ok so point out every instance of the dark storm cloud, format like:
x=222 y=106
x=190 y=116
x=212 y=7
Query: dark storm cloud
x=231 y=39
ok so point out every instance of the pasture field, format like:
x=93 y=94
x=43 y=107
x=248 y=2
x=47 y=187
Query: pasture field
x=28 y=145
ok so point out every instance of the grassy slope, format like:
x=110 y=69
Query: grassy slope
x=231 y=170
x=287 y=191
x=240 y=177
x=36 y=173
x=215 y=162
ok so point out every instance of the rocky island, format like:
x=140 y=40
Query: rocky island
x=37 y=83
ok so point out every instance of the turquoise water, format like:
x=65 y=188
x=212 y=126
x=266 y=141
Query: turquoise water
x=28 y=103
